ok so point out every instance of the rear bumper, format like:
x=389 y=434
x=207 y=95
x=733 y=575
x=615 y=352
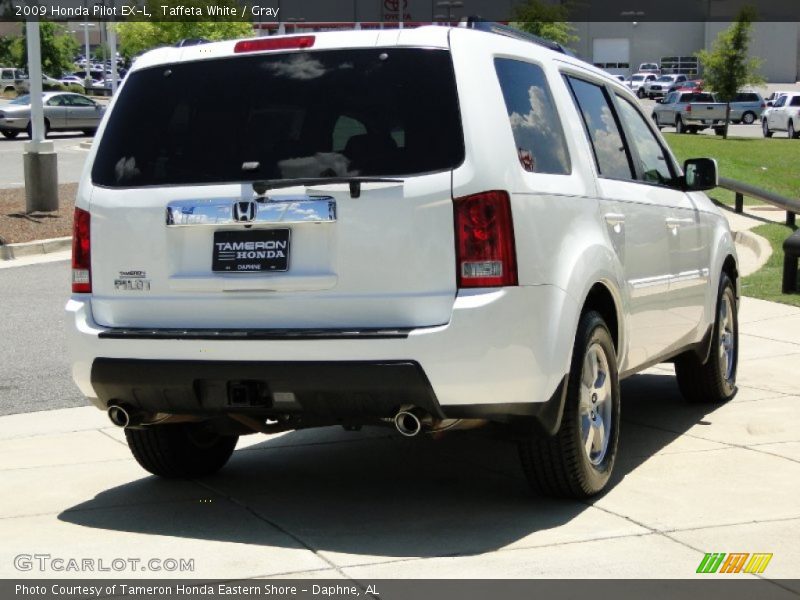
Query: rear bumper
x=502 y=352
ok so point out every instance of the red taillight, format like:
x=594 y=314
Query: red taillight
x=81 y=257
x=485 y=252
x=689 y=108
x=277 y=43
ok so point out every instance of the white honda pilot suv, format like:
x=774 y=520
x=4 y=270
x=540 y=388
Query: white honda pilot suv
x=425 y=228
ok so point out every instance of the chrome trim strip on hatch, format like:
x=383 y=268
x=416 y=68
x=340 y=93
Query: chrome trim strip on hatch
x=282 y=210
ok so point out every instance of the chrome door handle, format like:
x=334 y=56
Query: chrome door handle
x=674 y=223
x=614 y=218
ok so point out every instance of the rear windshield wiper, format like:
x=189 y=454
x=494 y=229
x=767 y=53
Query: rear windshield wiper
x=261 y=187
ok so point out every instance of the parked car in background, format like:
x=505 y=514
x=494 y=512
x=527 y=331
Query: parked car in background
x=668 y=112
x=73 y=80
x=637 y=81
x=747 y=108
x=650 y=67
x=773 y=96
x=783 y=116
x=691 y=85
x=48 y=84
x=10 y=79
x=63 y=111
x=660 y=87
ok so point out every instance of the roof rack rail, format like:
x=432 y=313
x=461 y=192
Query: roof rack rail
x=479 y=24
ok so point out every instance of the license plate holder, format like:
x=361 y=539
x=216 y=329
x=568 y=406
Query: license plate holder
x=251 y=251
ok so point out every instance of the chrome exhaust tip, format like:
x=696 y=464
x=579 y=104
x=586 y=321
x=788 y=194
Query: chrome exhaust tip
x=407 y=423
x=119 y=416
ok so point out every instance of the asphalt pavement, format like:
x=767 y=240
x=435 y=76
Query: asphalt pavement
x=34 y=370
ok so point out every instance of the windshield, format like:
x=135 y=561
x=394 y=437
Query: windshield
x=336 y=113
x=665 y=78
x=637 y=78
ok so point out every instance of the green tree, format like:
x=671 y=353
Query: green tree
x=548 y=21
x=58 y=49
x=727 y=67
x=6 y=51
x=136 y=36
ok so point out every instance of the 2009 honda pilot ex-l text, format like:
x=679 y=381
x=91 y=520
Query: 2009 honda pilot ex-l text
x=425 y=228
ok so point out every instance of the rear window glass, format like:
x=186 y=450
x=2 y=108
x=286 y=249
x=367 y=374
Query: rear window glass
x=373 y=112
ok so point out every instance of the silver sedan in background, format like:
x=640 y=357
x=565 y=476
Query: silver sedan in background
x=63 y=111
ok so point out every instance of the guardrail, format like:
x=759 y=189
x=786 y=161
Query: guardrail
x=791 y=246
x=742 y=189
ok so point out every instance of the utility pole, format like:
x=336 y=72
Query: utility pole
x=39 y=159
x=112 y=43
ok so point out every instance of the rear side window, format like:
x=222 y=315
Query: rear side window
x=795 y=101
x=746 y=98
x=371 y=112
x=601 y=124
x=538 y=135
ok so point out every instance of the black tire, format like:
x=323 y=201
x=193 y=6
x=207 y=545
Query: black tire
x=790 y=130
x=640 y=93
x=679 y=127
x=714 y=381
x=749 y=117
x=559 y=465
x=692 y=130
x=765 y=130
x=180 y=451
x=719 y=130
x=7 y=133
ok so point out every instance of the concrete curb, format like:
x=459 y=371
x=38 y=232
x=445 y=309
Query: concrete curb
x=86 y=145
x=757 y=245
x=12 y=251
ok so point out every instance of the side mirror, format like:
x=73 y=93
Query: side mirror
x=770 y=103
x=700 y=174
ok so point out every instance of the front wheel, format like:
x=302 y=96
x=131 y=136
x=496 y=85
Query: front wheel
x=578 y=460
x=10 y=134
x=715 y=380
x=765 y=129
x=790 y=130
x=640 y=93
x=180 y=451
x=749 y=118
x=679 y=127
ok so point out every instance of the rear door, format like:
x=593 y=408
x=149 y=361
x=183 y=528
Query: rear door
x=181 y=238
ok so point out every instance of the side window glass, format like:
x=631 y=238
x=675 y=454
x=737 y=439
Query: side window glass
x=609 y=150
x=795 y=101
x=781 y=101
x=346 y=128
x=538 y=135
x=653 y=159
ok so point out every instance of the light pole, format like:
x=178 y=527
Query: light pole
x=39 y=159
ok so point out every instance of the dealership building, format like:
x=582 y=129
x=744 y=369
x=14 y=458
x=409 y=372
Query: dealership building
x=610 y=33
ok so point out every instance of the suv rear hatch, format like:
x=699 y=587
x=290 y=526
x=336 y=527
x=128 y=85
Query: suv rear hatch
x=181 y=238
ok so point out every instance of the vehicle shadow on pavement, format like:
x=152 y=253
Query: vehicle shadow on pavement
x=376 y=493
